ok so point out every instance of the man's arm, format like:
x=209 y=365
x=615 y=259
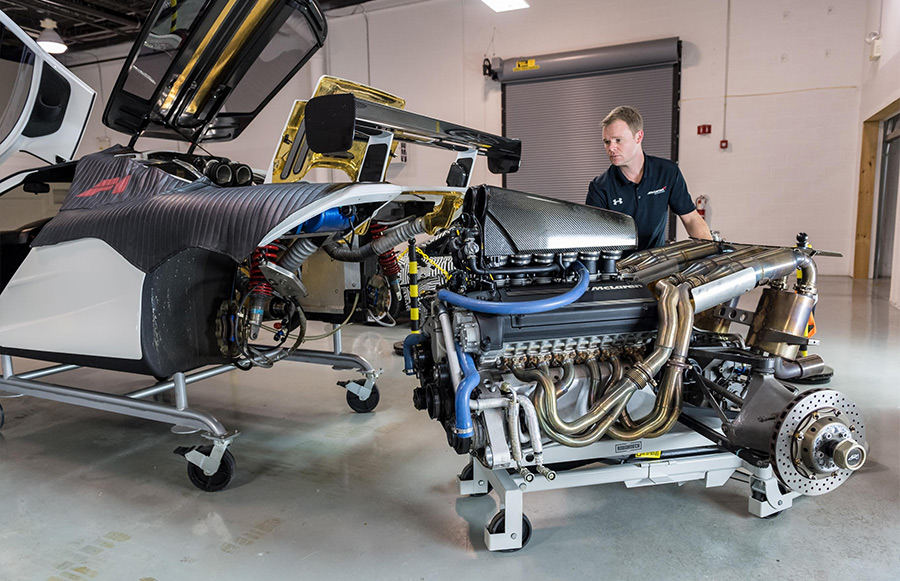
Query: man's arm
x=695 y=225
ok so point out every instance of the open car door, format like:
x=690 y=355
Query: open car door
x=44 y=108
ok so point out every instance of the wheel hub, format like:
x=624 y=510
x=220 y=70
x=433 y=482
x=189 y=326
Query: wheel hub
x=818 y=441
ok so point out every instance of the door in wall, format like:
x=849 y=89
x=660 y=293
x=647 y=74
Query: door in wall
x=887 y=198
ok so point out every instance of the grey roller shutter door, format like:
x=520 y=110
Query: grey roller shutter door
x=558 y=121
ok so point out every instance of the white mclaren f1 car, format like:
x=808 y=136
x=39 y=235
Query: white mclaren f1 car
x=182 y=266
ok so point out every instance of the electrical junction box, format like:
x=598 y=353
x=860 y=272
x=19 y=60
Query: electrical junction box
x=704 y=129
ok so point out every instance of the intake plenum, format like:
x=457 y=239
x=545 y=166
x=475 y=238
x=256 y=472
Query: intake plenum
x=518 y=223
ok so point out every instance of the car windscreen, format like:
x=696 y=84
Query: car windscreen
x=16 y=71
x=205 y=69
x=289 y=47
x=169 y=31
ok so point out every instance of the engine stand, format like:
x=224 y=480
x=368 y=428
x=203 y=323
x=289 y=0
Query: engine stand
x=675 y=458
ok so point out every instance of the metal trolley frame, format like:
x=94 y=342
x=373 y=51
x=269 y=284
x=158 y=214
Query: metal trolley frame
x=210 y=467
x=684 y=455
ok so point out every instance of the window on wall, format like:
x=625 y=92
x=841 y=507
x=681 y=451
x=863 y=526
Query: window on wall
x=557 y=115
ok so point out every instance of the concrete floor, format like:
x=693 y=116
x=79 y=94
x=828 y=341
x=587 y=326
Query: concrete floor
x=325 y=493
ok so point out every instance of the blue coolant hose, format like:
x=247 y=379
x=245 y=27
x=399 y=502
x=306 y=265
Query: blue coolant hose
x=522 y=307
x=408 y=343
x=464 y=393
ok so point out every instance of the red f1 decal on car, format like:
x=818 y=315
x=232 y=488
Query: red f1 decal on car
x=117 y=185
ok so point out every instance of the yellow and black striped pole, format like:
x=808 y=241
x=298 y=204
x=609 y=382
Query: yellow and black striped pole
x=413 y=287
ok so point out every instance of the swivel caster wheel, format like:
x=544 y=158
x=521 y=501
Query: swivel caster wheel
x=762 y=498
x=498 y=526
x=217 y=481
x=363 y=406
x=468 y=473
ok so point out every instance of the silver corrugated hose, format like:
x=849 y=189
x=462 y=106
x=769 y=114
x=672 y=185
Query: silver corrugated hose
x=296 y=255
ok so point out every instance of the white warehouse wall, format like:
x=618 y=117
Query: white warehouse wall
x=794 y=76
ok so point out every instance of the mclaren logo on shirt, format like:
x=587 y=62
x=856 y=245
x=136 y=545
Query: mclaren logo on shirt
x=657 y=192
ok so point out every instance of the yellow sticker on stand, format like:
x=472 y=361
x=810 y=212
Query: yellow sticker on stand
x=648 y=454
x=526 y=65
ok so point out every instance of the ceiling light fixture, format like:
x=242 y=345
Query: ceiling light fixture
x=504 y=5
x=49 y=39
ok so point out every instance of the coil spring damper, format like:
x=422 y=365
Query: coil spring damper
x=818 y=442
x=259 y=289
x=390 y=269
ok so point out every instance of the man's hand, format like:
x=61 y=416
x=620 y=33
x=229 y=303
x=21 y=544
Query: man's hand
x=696 y=226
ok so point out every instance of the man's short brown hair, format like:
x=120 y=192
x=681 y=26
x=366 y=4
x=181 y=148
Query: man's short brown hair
x=630 y=115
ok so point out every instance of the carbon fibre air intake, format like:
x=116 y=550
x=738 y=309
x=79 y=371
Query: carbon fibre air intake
x=518 y=223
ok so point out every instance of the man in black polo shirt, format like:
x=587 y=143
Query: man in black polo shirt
x=640 y=185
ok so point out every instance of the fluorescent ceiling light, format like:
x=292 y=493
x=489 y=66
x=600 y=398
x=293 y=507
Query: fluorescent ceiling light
x=49 y=39
x=504 y=5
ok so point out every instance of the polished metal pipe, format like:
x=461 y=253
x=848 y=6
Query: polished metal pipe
x=645 y=256
x=685 y=248
x=596 y=383
x=6 y=365
x=658 y=270
x=669 y=401
x=808 y=276
x=46 y=371
x=671 y=262
x=724 y=289
x=733 y=279
x=566 y=379
x=449 y=344
x=666 y=307
x=672 y=406
x=802 y=367
x=710 y=264
x=605 y=411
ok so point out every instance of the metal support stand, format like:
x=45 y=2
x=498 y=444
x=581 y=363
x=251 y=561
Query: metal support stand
x=336 y=357
x=341 y=361
x=184 y=419
x=6 y=366
x=681 y=456
x=25 y=384
x=336 y=339
x=180 y=387
x=767 y=498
